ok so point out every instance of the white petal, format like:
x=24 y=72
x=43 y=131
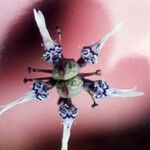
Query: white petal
x=66 y=136
x=108 y=35
x=27 y=97
x=102 y=89
x=40 y=20
x=92 y=51
x=127 y=93
x=68 y=113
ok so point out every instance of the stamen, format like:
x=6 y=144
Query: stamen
x=29 y=69
x=58 y=29
x=25 y=80
x=97 y=72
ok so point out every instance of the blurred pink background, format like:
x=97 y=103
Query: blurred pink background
x=118 y=123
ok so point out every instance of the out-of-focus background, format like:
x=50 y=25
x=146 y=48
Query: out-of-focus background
x=118 y=123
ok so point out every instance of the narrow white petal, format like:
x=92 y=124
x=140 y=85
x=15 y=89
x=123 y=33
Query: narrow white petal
x=27 y=97
x=66 y=136
x=90 y=53
x=108 y=35
x=41 y=16
x=40 y=20
x=68 y=113
x=126 y=90
x=127 y=93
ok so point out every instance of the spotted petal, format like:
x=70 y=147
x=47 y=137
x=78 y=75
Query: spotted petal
x=52 y=50
x=39 y=91
x=68 y=114
x=102 y=89
x=89 y=54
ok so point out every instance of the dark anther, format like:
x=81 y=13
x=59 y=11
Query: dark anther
x=98 y=72
x=29 y=69
x=25 y=80
x=58 y=29
x=94 y=105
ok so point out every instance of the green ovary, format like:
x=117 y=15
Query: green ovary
x=71 y=69
x=73 y=86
